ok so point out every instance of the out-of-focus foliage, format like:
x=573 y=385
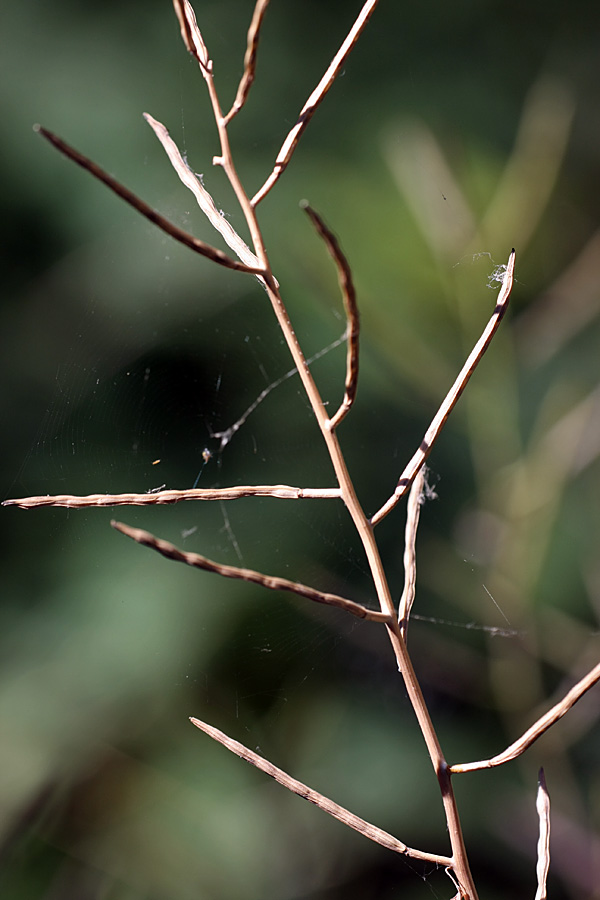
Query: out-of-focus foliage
x=455 y=132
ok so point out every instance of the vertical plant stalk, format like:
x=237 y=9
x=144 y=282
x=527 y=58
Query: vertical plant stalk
x=188 y=240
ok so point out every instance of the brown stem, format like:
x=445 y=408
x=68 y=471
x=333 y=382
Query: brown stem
x=203 y=198
x=133 y=200
x=190 y=32
x=410 y=557
x=350 y=308
x=449 y=402
x=195 y=44
x=249 y=60
x=348 y=493
x=538 y=728
x=272 y=582
x=314 y=101
x=319 y=800
x=158 y=498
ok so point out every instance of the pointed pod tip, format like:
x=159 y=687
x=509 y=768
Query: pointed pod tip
x=49 y=135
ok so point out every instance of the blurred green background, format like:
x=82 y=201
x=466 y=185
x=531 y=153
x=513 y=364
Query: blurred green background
x=456 y=131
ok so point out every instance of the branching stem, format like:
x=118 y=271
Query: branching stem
x=315 y=99
x=329 y=806
x=271 y=582
x=143 y=208
x=451 y=398
x=538 y=728
x=256 y=262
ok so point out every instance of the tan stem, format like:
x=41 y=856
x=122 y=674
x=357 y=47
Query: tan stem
x=319 y=800
x=272 y=582
x=159 y=498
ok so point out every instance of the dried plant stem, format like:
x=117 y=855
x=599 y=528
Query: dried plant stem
x=249 y=60
x=410 y=556
x=203 y=198
x=172 y=230
x=350 y=308
x=543 y=849
x=159 y=498
x=439 y=420
x=190 y=33
x=348 y=493
x=319 y=800
x=360 y=520
x=226 y=162
x=195 y=44
x=256 y=261
x=537 y=729
x=367 y=537
x=315 y=99
x=271 y=582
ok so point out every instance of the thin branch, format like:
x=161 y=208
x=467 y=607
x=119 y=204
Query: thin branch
x=190 y=33
x=324 y=803
x=537 y=730
x=249 y=60
x=350 y=308
x=129 y=197
x=452 y=396
x=542 y=805
x=310 y=107
x=269 y=581
x=410 y=557
x=203 y=198
x=158 y=498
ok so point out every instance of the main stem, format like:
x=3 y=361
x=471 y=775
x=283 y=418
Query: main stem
x=361 y=522
x=367 y=536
